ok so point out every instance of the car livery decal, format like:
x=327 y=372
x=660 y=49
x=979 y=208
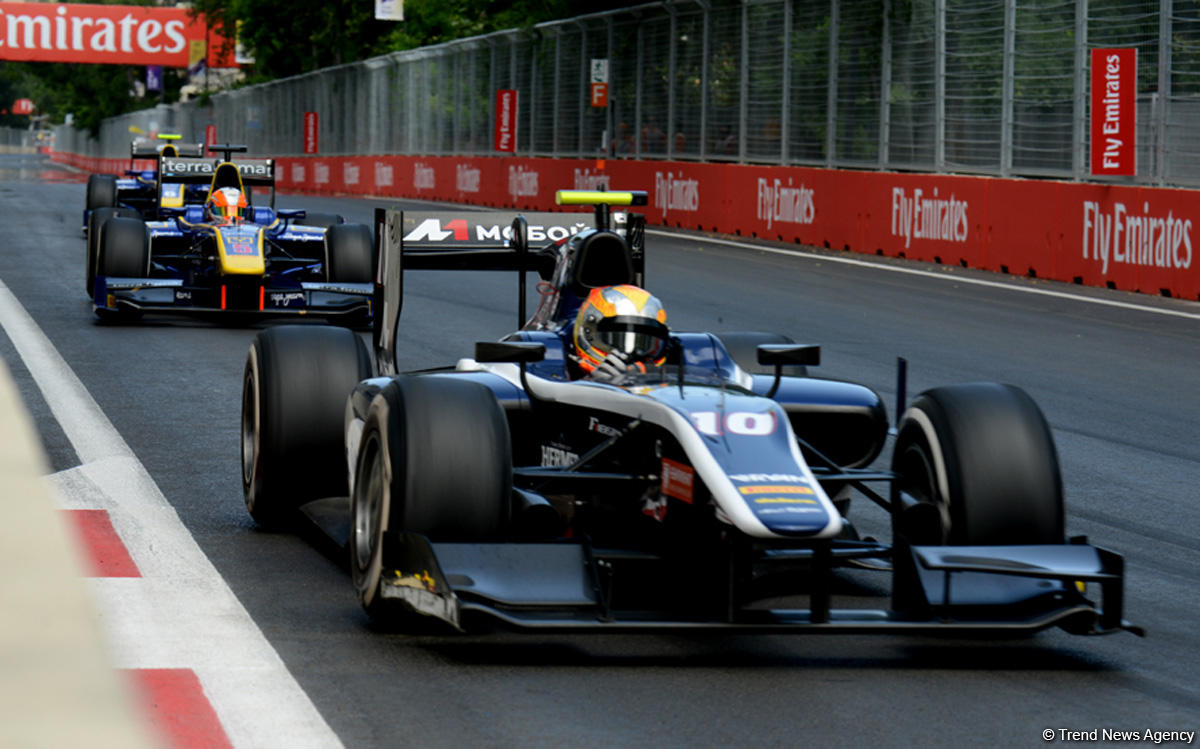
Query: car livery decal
x=716 y=459
x=239 y=248
x=743 y=434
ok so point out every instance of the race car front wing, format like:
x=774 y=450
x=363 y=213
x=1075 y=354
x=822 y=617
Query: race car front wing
x=986 y=591
x=322 y=299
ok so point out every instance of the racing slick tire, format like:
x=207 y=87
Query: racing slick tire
x=124 y=252
x=96 y=222
x=351 y=253
x=316 y=218
x=101 y=191
x=294 y=390
x=980 y=462
x=435 y=459
x=743 y=347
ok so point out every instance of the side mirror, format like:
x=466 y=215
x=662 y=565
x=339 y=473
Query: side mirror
x=789 y=353
x=779 y=354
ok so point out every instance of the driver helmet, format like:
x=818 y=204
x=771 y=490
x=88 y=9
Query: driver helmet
x=625 y=300
x=226 y=205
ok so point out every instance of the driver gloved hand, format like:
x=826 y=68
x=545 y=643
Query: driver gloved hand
x=613 y=368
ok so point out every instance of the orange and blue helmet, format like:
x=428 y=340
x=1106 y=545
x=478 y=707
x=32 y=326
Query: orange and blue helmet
x=624 y=301
x=226 y=204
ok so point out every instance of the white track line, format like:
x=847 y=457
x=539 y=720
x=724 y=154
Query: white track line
x=941 y=276
x=181 y=613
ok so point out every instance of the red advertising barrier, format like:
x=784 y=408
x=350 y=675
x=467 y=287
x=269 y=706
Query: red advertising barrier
x=112 y=34
x=1123 y=237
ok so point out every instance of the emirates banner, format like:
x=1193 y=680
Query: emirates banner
x=113 y=34
x=1114 y=111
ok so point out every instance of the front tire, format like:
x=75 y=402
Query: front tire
x=435 y=459
x=980 y=461
x=294 y=391
x=351 y=253
x=97 y=220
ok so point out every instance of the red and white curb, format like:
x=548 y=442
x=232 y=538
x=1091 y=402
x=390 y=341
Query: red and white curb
x=206 y=674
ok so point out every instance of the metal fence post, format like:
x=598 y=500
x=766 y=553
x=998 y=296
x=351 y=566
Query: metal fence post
x=939 y=87
x=1079 y=118
x=885 y=86
x=785 y=100
x=832 y=94
x=1164 y=91
x=1006 y=82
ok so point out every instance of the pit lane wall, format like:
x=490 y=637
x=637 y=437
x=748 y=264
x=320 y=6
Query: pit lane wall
x=1125 y=237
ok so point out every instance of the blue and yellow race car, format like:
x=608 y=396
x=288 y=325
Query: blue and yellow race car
x=227 y=255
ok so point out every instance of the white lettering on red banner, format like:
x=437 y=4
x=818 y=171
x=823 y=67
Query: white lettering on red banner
x=384 y=176
x=424 y=177
x=585 y=180
x=522 y=182
x=787 y=204
x=1128 y=238
x=111 y=34
x=311 y=133
x=506 y=121
x=467 y=178
x=675 y=193
x=1114 y=111
x=923 y=217
x=350 y=174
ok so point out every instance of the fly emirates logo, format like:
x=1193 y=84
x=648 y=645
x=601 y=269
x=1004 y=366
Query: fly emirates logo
x=1126 y=237
x=921 y=216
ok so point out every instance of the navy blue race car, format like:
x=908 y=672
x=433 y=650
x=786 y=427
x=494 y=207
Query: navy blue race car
x=228 y=255
x=596 y=470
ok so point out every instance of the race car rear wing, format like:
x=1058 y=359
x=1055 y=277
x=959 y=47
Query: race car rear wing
x=252 y=172
x=478 y=240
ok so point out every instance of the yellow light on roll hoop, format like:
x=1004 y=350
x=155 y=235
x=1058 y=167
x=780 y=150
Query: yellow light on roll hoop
x=596 y=197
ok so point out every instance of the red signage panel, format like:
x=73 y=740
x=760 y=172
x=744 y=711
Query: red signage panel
x=113 y=34
x=210 y=135
x=1114 y=111
x=506 y=121
x=599 y=94
x=311 y=133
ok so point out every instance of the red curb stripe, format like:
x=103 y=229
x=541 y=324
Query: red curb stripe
x=178 y=709
x=104 y=552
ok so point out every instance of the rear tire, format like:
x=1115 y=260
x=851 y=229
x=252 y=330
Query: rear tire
x=981 y=459
x=101 y=191
x=743 y=347
x=351 y=253
x=294 y=390
x=435 y=459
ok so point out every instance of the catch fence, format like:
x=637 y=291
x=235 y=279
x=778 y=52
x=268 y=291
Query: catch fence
x=989 y=87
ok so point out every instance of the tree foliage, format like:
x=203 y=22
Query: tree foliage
x=284 y=37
